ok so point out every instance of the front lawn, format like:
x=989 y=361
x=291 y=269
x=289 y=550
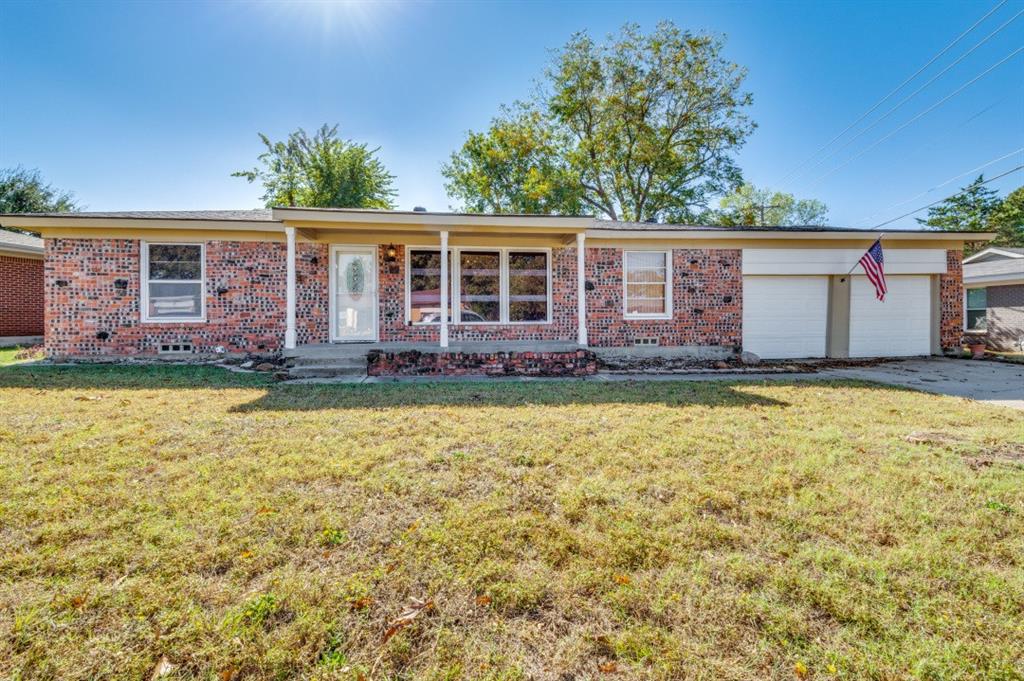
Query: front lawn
x=200 y=524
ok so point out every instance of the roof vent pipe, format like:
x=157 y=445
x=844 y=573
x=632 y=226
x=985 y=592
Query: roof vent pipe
x=419 y=209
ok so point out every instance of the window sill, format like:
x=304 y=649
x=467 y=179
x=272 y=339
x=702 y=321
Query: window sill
x=642 y=318
x=165 y=320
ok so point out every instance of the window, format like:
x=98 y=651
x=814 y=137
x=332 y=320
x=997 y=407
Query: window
x=172 y=282
x=647 y=283
x=977 y=304
x=479 y=286
x=492 y=286
x=528 y=286
x=424 y=286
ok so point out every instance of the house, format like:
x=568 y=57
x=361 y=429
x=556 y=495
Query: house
x=459 y=293
x=994 y=301
x=21 y=286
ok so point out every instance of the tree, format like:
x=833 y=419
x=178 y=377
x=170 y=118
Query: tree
x=25 y=191
x=750 y=206
x=514 y=167
x=321 y=171
x=1007 y=220
x=643 y=126
x=966 y=211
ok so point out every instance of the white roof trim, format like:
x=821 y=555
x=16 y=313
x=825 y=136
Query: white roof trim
x=867 y=237
x=993 y=250
x=1003 y=279
x=333 y=216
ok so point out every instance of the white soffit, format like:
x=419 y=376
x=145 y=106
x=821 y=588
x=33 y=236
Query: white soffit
x=788 y=261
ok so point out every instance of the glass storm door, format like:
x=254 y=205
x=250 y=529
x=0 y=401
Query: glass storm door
x=354 y=309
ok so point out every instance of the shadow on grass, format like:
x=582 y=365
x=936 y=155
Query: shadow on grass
x=290 y=397
x=503 y=394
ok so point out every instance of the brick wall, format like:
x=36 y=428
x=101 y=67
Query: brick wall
x=312 y=299
x=89 y=315
x=21 y=296
x=1004 y=318
x=413 y=363
x=563 y=315
x=951 y=302
x=707 y=295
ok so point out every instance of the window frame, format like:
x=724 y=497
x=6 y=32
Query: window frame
x=667 y=314
x=968 y=309
x=455 y=283
x=144 y=282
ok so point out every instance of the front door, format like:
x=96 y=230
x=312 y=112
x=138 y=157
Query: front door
x=353 y=293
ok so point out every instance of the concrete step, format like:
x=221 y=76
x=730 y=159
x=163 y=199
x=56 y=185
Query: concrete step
x=326 y=371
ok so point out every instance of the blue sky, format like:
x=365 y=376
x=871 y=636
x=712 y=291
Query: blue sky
x=153 y=105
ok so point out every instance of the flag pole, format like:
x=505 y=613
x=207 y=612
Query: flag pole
x=880 y=235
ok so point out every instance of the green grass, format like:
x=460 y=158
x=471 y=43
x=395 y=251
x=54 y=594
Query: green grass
x=236 y=528
x=16 y=354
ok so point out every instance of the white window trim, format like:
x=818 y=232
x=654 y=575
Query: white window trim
x=455 y=276
x=667 y=314
x=144 y=283
x=967 y=309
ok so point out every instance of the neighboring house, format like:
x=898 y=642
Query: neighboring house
x=994 y=302
x=533 y=287
x=21 y=284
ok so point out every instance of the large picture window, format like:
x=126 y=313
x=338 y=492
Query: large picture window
x=172 y=282
x=977 y=306
x=492 y=286
x=647 y=283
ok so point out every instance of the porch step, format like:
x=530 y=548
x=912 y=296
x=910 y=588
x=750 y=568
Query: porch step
x=327 y=370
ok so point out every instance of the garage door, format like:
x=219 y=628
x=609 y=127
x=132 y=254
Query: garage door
x=785 y=317
x=900 y=326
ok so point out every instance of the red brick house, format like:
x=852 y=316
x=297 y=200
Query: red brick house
x=519 y=290
x=21 y=285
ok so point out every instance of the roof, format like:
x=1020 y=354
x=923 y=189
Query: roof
x=17 y=241
x=270 y=219
x=261 y=214
x=1004 y=270
x=995 y=253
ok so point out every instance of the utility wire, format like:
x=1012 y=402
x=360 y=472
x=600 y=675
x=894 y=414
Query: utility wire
x=941 y=184
x=915 y=92
x=894 y=91
x=953 y=196
x=934 y=106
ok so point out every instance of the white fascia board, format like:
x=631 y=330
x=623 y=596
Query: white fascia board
x=15 y=251
x=42 y=222
x=993 y=280
x=992 y=251
x=840 y=260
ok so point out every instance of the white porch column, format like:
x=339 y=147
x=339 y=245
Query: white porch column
x=289 y=323
x=444 y=289
x=581 y=288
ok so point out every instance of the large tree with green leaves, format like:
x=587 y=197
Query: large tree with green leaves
x=966 y=211
x=514 y=167
x=1007 y=220
x=322 y=171
x=641 y=127
x=749 y=206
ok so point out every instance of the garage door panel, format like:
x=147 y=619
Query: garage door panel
x=785 y=317
x=898 y=327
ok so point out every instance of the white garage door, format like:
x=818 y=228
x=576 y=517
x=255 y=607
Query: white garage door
x=785 y=317
x=900 y=326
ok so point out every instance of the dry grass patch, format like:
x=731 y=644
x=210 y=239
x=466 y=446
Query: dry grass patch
x=210 y=525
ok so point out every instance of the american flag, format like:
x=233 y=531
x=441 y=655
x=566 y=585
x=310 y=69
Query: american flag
x=872 y=262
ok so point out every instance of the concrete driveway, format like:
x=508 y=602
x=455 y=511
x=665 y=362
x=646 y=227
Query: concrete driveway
x=1000 y=383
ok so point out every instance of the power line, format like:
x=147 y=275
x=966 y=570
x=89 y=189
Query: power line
x=895 y=90
x=913 y=94
x=953 y=196
x=920 y=115
x=941 y=184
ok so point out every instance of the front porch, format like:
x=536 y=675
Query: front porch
x=487 y=358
